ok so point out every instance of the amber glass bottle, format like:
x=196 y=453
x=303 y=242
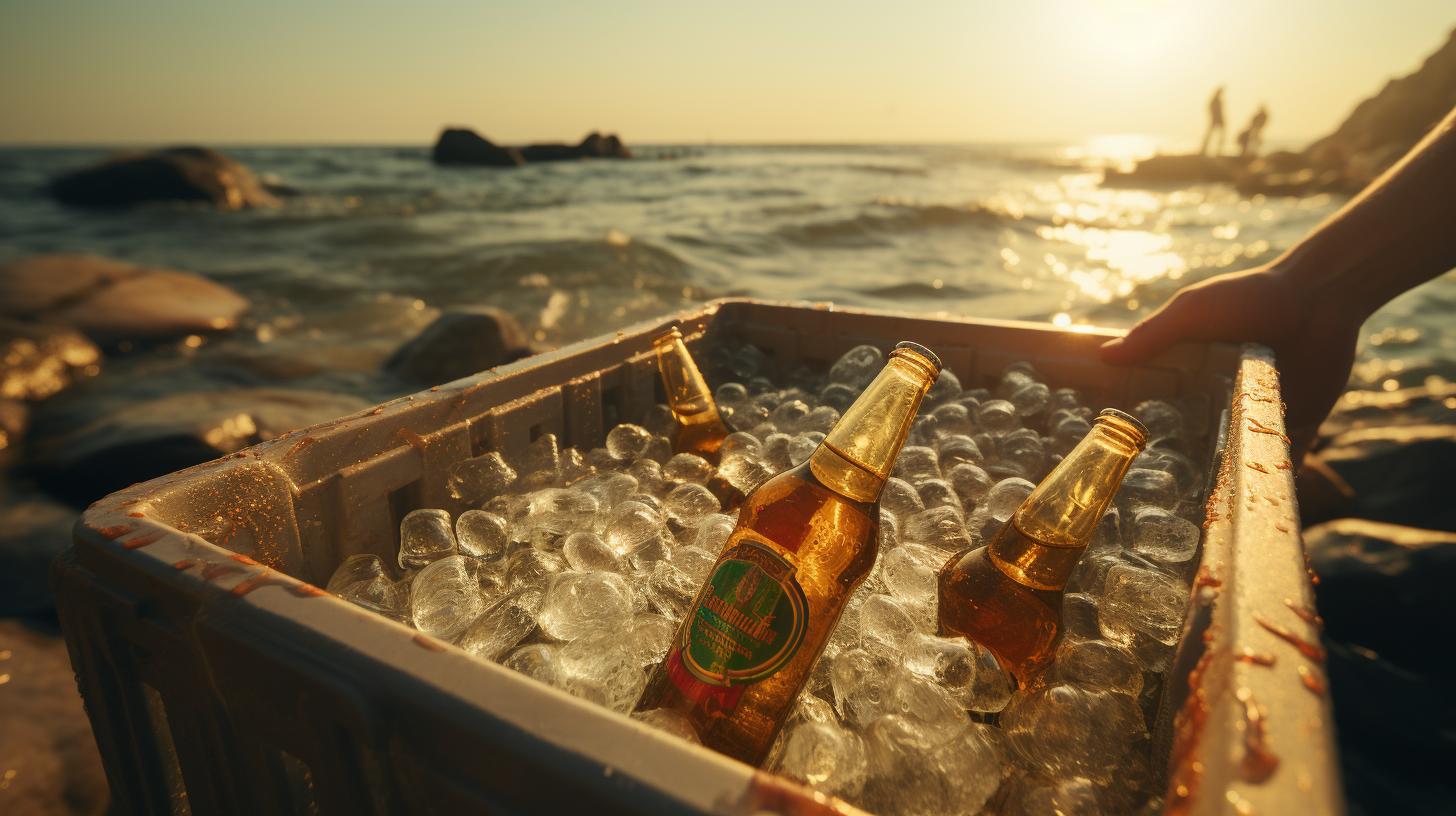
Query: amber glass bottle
x=688 y=395
x=1008 y=596
x=804 y=541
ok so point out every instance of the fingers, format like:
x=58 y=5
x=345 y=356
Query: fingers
x=1157 y=331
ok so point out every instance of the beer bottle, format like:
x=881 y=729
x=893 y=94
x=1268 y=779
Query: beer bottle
x=804 y=541
x=1008 y=596
x=688 y=395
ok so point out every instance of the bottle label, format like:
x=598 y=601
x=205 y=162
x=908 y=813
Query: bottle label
x=749 y=622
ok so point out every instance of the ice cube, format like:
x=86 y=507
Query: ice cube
x=445 y=597
x=917 y=464
x=537 y=661
x=1161 y=419
x=900 y=498
x=819 y=421
x=1153 y=488
x=885 y=625
x=1163 y=537
x=584 y=603
x=648 y=474
x=1099 y=664
x=362 y=580
x=958 y=450
x=746 y=361
x=627 y=441
x=1079 y=617
x=1006 y=496
x=945 y=388
x=838 y=396
x=1073 y=796
x=863 y=683
x=907 y=579
x=746 y=471
x=788 y=415
x=998 y=417
x=610 y=489
x=476 y=481
x=858 y=367
x=971 y=484
x=502 y=626
x=952 y=421
x=651 y=637
x=923 y=701
x=695 y=562
x=938 y=493
x=631 y=526
x=685 y=467
x=1139 y=600
x=604 y=669
x=939 y=527
x=948 y=661
x=670 y=722
x=825 y=756
x=689 y=505
x=1031 y=399
x=425 y=536
x=531 y=567
x=803 y=446
x=588 y=552
x=539 y=463
x=671 y=590
x=1020 y=453
x=889 y=531
x=992 y=685
x=481 y=535
x=659 y=449
x=659 y=420
x=1061 y=730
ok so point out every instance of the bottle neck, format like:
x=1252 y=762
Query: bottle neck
x=1057 y=520
x=687 y=392
x=858 y=455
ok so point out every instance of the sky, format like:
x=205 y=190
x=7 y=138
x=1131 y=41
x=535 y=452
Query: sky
x=143 y=72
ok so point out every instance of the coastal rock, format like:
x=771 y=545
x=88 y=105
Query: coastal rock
x=465 y=146
x=81 y=462
x=460 y=342
x=48 y=756
x=33 y=531
x=113 y=301
x=1387 y=587
x=172 y=174
x=594 y=146
x=1179 y=169
x=38 y=360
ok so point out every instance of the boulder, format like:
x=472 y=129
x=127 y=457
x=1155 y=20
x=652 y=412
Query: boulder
x=82 y=461
x=461 y=342
x=48 y=756
x=172 y=174
x=1387 y=587
x=113 y=301
x=465 y=146
x=38 y=360
x=1190 y=168
x=594 y=146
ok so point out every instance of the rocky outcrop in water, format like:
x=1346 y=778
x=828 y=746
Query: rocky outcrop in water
x=465 y=146
x=460 y=342
x=112 y=301
x=174 y=174
x=38 y=360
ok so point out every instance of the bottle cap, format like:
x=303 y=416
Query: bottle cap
x=921 y=351
x=1137 y=426
x=668 y=334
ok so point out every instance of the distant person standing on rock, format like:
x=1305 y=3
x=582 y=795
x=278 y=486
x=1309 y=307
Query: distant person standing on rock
x=1253 y=136
x=1215 y=122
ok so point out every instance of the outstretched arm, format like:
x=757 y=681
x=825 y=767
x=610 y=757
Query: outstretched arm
x=1308 y=305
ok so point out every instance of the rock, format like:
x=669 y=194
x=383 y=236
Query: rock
x=37 y=360
x=1386 y=126
x=172 y=174
x=460 y=343
x=465 y=146
x=49 y=765
x=594 y=146
x=1387 y=588
x=1190 y=168
x=81 y=462
x=113 y=301
x=14 y=420
x=33 y=531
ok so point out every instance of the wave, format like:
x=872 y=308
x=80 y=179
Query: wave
x=873 y=228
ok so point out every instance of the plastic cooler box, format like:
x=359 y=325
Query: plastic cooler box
x=219 y=680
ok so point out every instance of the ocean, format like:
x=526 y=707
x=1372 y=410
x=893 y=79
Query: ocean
x=379 y=239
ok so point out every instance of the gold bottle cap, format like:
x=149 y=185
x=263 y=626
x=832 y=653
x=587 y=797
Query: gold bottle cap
x=666 y=335
x=905 y=348
x=1115 y=417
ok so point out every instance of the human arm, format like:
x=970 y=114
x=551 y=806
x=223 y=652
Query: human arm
x=1308 y=304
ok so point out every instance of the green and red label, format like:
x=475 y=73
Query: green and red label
x=749 y=622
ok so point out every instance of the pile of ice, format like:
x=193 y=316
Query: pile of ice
x=575 y=570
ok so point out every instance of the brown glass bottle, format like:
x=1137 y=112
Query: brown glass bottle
x=692 y=403
x=1008 y=596
x=804 y=541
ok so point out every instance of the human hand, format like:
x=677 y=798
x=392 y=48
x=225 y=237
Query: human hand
x=1311 y=330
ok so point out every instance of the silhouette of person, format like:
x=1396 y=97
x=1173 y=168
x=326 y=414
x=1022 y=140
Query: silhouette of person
x=1215 y=122
x=1253 y=136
